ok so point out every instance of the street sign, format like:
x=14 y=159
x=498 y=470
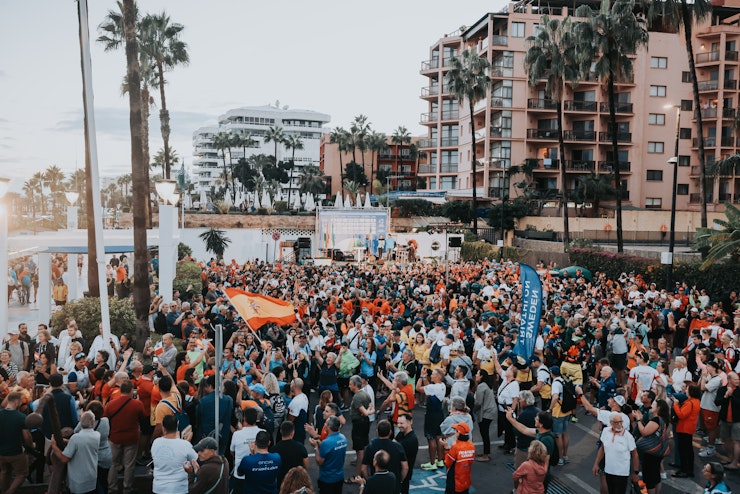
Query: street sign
x=276 y=236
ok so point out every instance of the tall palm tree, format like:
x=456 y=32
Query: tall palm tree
x=552 y=56
x=607 y=40
x=224 y=141
x=54 y=178
x=376 y=142
x=159 y=161
x=292 y=142
x=244 y=140
x=468 y=80
x=160 y=41
x=400 y=137
x=275 y=135
x=29 y=189
x=596 y=187
x=721 y=241
x=682 y=15
x=340 y=137
x=360 y=130
x=312 y=180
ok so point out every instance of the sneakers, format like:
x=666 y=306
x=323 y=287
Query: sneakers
x=429 y=466
x=561 y=462
x=663 y=475
x=440 y=464
x=565 y=459
x=718 y=442
x=707 y=452
x=574 y=419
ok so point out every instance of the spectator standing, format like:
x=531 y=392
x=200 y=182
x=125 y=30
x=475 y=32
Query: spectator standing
x=360 y=410
x=560 y=419
x=15 y=434
x=710 y=382
x=729 y=399
x=383 y=481
x=396 y=463
x=330 y=454
x=260 y=468
x=292 y=453
x=529 y=477
x=169 y=352
x=406 y=437
x=527 y=416
x=459 y=460
x=434 y=391
x=617 y=448
x=81 y=453
x=688 y=416
x=210 y=473
x=485 y=410
x=124 y=414
x=205 y=414
x=298 y=409
x=169 y=453
x=241 y=443
x=19 y=349
x=102 y=426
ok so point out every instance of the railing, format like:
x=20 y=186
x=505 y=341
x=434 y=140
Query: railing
x=430 y=64
x=730 y=84
x=708 y=142
x=579 y=135
x=427 y=143
x=695 y=198
x=496 y=192
x=498 y=40
x=709 y=112
x=544 y=163
x=710 y=56
x=572 y=105
x=427 y=169
x=550 y=134
x=501 y=71
x=728 y=113
x=725 y=197
x=727 y=142
x=618 y=107
x=448 y=141
x=429 y=117
x=608 y=166
x=580 y=165
x=621 y=136
x=501 y=102
x=542 y=104
x=710 y=85
x=448 y=168
x=731 y=55
x=450 y=114
x=429 y=91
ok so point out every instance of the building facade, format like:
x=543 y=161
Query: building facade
x=309 y=125
x=516 y=124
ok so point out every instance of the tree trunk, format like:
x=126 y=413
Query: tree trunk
x=341 y=173
x=164 y=122
x=615 y=156
x=372 y=170
x=475 y=170
x=687 y=23
x=139 y=175
x=563 y=176
x=145 y=98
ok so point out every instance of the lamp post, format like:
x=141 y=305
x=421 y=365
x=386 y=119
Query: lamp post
x=4 y=184
x=672 y=233
x=167 y=237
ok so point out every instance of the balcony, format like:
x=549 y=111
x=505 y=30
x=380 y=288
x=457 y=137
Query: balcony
x=571 y=105
x=427 y=169
x=547 y=134
x=710 y=85
x=621 y=137
x=496 y=192
x=725 y=197
x=429 y=118
x=543 y=164
x=695 y=198
x=450 y=115
x=427 y=143
x=608 y=166
x=430 y=64
x=580 y=165
x=502 y=71
x=728 y=113
x=579 y=135
x=731 y=56
x=727 y=142
x=730 y=84
x=709 y=113
x=448 y=141
x=498 y=40
x=709 y=142
x=618 y=107
x=710 y=56
x=429 y=91
x=542 y=104
x=448 y=168
x=500 y=102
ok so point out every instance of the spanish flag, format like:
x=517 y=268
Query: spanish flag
x=258 y=310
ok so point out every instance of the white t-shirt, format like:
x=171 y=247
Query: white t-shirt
x=680 y=377
x=506 y=394
x=617 y=450
x=479 y=343
x=604 y=416
x=645 y=374
x=300 y=402
x=240 y=444
x=169 y=455
x=371 y=393
x=437 y=390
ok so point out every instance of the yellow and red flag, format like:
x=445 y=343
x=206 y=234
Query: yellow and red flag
x=258 y=310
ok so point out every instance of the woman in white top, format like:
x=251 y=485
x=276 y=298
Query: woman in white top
x=508 y=397
x=679 y=376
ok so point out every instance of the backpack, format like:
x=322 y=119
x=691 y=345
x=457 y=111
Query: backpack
x=267 y=420
x=434 y=354
x=183 y=419
x=569 y=400
x=555 y=456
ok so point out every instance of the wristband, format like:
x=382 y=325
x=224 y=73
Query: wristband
x=635 y=472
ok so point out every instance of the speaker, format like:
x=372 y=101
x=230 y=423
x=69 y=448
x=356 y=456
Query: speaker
x=454 y=242
x=304 y=242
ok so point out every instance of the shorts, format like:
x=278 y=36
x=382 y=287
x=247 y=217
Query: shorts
x=343 y=383
x=711 y=419
x=560 y=424
x=432 y=421
x=619 y=361
x=729 y=430
x=360 y=434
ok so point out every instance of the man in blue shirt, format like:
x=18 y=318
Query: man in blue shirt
x=205 y=414
x=260 y=469
x=330 y=455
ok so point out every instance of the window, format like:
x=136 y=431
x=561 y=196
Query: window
x=687 y=105
x=658 y=91
x=656 y=119
x=684 y=133
x=655 y=147
x=684 y=160
x=653 y=202
x=517 y=29
x=682 y=189
x=658 y=62
x=655 y=175
x=685 y=76
x=448 y=183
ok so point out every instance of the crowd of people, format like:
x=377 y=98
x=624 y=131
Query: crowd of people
x=371 y=344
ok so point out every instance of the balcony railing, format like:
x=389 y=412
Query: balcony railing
x=710 y=85
x=429 y=117
x=448 y=141
x=501 y=71
x=727 y=142
x=496 y=192
x=708 y=112
x=709 y=142
x=448 y=168
x=450 y=114
x=731 y=55
x=430 y=64
x=542 y=104
x=427 y=143
x=621 y=136
x=500 y=102
x=725 y=197
x=579 y=135
x=571 y=105
x=728 y=113
x=498 y=40
x=429 y=91
x=544 y=163
x=730 y=84
x=427 y=168
x=549 y=134
x=608 y=166
x=580 y=165
x=618 y=107
x=695 y=198
x=710 y=56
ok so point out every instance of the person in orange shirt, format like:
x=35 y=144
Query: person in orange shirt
x=459 y=460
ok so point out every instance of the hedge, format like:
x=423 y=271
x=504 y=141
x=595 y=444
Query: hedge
x=86 y=312
x=478 y=251
x=187 y=273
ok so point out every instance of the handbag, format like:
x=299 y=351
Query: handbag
x=656 y=444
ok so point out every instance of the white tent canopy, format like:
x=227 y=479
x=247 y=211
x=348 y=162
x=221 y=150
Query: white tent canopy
x=310 y=203
x=338 y=203
x=347 y=202
x=266 y=199
x=367 y=201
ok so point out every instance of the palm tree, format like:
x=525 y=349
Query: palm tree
x=360 y=130
x=376 y=142
x=244 y=140
x=552 y=56
x=54 y=178
x=160 y=41
x=596 y=187
x=721 y=241
x=400 y=137
x=224 y=141
x=607 y=40
x=216 y=241
x=292 y=142
x=275 y=135
x=468 y=80
x=340 y=137
x=682 y=15
x=160 y=162
x=29 y=188
x=312 y=180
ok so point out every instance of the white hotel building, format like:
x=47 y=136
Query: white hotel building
x=308 y=124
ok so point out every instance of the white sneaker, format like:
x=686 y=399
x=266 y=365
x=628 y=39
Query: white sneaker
x=718 y=442
x=663 y=475
x=706 y=453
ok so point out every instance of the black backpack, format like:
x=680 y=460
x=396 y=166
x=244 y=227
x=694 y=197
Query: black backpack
x=434 y=354
x=569 y=400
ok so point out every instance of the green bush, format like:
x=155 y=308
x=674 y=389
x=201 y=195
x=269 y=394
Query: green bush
x=86 y=312
x=187 y=273
x=478 y=251
x=280 y=206
x=470 y=237
x=261 y=211
x=183 y=250
x=416 y=207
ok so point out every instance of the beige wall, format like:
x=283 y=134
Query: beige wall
x=641 y=221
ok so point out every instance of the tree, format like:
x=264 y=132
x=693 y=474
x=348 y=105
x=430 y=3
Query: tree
x=160 y=41
x=400 y=137
x=518 y=208
x=376 y=142
x=159 y=160
x=468 y=80
x=139 y=174
x=292 y=142
x=596 y=187
x=312 y=181
x=354 y=173
x=29 y=189
x=359 y=130
x=341 y=138
x=552 y=56
x=457 y=211
x=216 y=241
x=607 y=40
x=224 y=141
x=275 y=135
x=721 y=241
x=54 y=179
x=681 y=15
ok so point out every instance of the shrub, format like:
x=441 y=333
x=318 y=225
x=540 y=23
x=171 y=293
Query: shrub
x=280 y=206
x=261 y=211
x=183 y=251
x=86 y=312
x=416 y=207
x=478 y=251
x=187 y=273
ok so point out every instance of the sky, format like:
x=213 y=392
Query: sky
x=340 y=57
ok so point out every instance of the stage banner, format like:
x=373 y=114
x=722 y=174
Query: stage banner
x=529 y=325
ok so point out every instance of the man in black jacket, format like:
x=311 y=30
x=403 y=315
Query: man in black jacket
x=397 y=461
x=728 y=398
x=410 y=444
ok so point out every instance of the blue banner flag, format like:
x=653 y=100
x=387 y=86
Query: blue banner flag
x=529 y=325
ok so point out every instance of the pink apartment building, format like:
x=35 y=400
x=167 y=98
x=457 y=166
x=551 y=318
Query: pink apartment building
x=516 y=122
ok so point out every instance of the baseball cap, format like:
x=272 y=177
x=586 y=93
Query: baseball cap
x=147 y=369
x=13 y=331
x=449 y=336
x=461 y=427
x=619 y=399
x=258 y=388
x=206 y=443
x=555 y=370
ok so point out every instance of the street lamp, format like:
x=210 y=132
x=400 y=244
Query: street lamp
x=4 y=184
x=672 y=234
x=167 y=236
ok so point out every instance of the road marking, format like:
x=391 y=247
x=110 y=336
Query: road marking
x=580 y=483
x=683 y=485
x=353 y=452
